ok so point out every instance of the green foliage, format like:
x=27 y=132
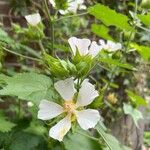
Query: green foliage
x=25 y=141
x=136 y=99
x=147 y=138
x=61 y=4
x=133 y=112
x=110 y=17
x=29 y=133
x=32 y=32
x=111 y=142
x=80 y=141
x=59 y=68
x=4 y=38
x=101 y=31
x=144 y=51
x=29 y=86
x=5 y=125
x=117 y=62
x=145 y=19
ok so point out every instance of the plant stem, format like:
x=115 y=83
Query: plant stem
x=71 y=16
x=19 y=108
x=143 y=28
x=51 y=22
x=18 y=54
x=90 y=137
x=105 y=140
x=41 y=46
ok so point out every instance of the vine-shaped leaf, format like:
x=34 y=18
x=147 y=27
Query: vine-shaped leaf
x=110 y=17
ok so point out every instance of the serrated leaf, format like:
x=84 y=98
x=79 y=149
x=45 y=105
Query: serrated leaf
x=110 y=17
x=77 y=141
x=134 y=113
x=145 y=19
x=117 y=62
x=29 y=86
x=144 y=51
x=138 y=100
x=101 y=31
x=5 y=125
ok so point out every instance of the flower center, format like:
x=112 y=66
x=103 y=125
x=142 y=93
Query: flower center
x=69 y=106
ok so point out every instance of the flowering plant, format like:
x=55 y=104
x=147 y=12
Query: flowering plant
x=73 y=77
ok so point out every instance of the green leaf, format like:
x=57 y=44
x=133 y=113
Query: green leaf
x=134 y=113
x=25 y=141
x=144 y=51
x=101 y=31
x=5 y=125
x=147 y=138
x=138 y=100
x=117 y=62
x=29 y=86
x=3 y=78
x=145 y=19
x=110 y=17
x=5 y=38
x=112 y=142
x=77 y=141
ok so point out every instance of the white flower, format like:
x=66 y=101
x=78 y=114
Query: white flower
x=84 y=46
x=74 y=110
x=73 y=5
x=33 y=19
x=110 y=46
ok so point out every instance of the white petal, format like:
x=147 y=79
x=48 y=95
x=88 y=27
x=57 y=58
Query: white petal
x=33 y=19
x=87 y=94
x=60 y=129
x=65 y=88
x=52 y=2
x=82 y=7
x=73 y=6
x=113 y=46
x=63 y=12
x=83 y=46
x=94 y=49
x=79 y=2
x=49 y=110
x=72 y=43
x=118 y=46
x=102 y=42
x=87 y=118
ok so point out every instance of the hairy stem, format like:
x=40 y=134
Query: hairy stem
x=51 y=22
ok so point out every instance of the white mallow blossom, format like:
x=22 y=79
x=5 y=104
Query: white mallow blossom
x=84 y=46
x=33 y=19
x=72 y=108
x=73 y=5
x=110 y=45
